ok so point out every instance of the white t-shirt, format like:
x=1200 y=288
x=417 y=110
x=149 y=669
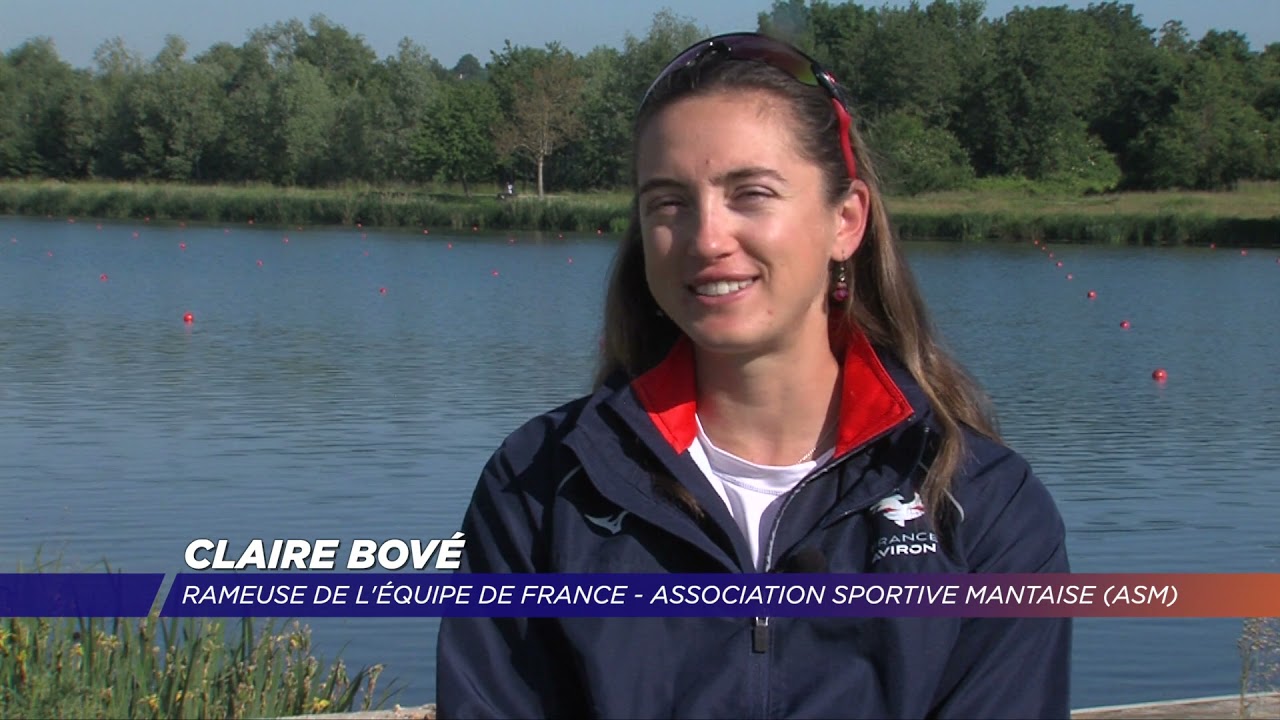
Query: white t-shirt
x=753 y=493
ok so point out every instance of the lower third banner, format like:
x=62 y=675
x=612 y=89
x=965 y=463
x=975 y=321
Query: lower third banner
x=724 y=595
x=285 y=594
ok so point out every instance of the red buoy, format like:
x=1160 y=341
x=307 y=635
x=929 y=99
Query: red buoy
x=1124 y=324
x=1244 y=252
x=1092 y=294
x=1213 y=246
x=1059 y=263
x=182 y=246
x=1159 y=375
x=188 y=318
x=449 y=246
x=1070 y=276
x=382 y=291
x=103 y=277
x=494 y=273
x=259 y=263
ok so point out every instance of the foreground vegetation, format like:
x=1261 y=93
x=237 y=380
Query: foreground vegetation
x=988 y=210
x=149 y=668
x=171 y=668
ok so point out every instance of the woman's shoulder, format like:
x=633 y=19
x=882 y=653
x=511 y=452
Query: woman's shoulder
x=539 y=431
x=533 y=455
x=1006 y=509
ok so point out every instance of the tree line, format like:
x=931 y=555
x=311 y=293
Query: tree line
x=1092 y=98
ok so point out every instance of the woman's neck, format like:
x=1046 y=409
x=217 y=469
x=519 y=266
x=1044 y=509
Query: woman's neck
x=778 y=409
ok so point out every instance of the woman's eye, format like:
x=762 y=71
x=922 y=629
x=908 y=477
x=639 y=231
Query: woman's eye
x=754 y=194
x=661 y=204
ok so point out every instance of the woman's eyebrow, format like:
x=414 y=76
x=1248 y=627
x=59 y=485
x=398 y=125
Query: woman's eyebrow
x=726 y=178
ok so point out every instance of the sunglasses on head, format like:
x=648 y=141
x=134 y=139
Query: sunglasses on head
x=775 y=53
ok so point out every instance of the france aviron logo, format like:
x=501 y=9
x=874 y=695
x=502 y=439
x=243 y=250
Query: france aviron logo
x=899 y=509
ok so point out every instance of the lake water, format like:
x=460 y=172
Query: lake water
x=303 y=401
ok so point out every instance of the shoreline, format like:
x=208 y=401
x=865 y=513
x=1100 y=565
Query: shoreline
x=1218 y=707
x=1249 y=217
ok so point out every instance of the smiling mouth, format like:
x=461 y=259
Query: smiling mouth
x=723 y=287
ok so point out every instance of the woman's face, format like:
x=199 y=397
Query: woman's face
x=738 y=231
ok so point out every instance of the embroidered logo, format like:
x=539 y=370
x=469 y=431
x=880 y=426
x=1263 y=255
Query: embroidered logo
x=899 y=509
x=611 y=524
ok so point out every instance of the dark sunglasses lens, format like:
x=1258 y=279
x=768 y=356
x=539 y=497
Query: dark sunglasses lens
x=764 y=50
x=744 y=47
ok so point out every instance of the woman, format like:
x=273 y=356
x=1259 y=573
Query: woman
x=770 y=398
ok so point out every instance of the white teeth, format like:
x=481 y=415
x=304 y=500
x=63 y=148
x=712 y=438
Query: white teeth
x=723 y=287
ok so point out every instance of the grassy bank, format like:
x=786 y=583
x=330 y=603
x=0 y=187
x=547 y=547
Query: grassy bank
x=997 y=210
x=148 y=668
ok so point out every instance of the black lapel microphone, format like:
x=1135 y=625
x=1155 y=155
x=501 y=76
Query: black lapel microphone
x=804 y=560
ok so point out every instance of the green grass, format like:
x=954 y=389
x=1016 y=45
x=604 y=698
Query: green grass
x=995 y=209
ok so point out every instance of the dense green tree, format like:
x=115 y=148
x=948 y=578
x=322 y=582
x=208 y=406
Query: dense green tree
x=177 y=115
x=40 y=92
x=455 y=143
x=1047 y=74
x=1215 y=136
x=304 y=111
x=916 y=157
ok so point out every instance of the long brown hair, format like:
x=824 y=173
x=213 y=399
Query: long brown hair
x=885 y=303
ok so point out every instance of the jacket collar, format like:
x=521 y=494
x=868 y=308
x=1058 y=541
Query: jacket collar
x=878 y=395
x=871 y=402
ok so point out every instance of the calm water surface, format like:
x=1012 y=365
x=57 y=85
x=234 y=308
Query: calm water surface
x=305 y=402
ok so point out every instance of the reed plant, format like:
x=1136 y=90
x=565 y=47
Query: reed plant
x=1259 y=646
x=174 y=668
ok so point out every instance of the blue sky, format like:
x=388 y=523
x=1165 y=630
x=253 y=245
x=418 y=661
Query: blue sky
x=450 y=28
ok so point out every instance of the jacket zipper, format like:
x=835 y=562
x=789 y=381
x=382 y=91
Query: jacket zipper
x=760 y=625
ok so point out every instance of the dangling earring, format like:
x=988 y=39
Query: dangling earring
x=840 y=290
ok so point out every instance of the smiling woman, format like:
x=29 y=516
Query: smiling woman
x=770 y=398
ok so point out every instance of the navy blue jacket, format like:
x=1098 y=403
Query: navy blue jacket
x=598 y=456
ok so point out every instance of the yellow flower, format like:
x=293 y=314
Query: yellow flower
x=319 y=705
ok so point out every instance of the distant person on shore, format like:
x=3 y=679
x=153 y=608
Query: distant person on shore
x=770 y=398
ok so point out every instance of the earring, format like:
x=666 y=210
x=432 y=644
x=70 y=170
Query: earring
x=840 y=291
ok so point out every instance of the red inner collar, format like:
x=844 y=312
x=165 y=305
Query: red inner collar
x=870 y=402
